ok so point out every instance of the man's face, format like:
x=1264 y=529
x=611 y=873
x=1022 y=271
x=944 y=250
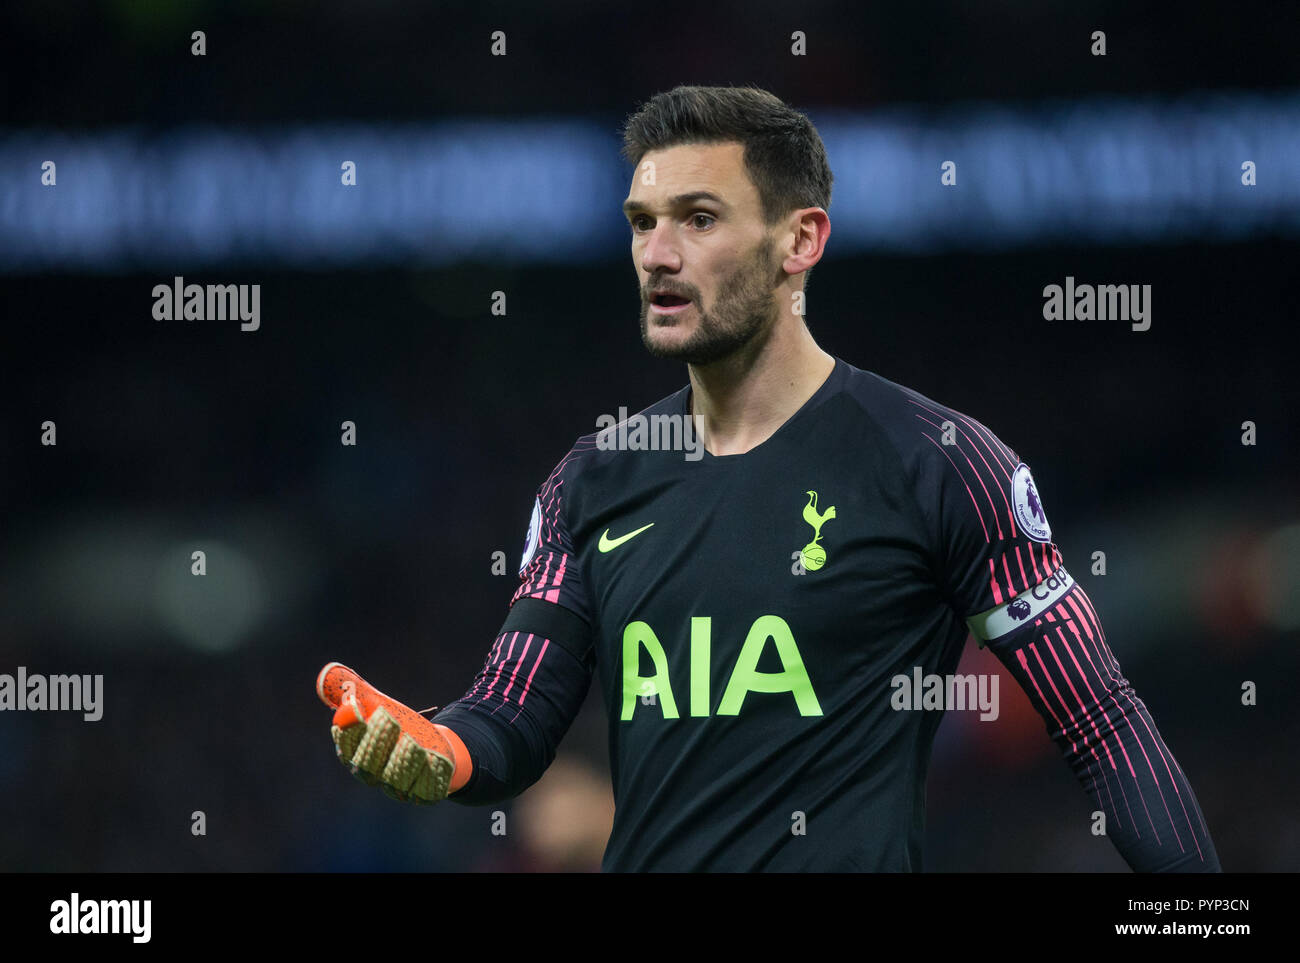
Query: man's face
x=698 y=234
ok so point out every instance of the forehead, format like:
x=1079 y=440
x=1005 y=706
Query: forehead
x=687 y=168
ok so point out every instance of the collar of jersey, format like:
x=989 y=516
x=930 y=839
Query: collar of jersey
x=828 y=387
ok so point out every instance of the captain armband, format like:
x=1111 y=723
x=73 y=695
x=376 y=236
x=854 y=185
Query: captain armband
x=1023 y=609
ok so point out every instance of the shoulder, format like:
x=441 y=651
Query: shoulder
x=615 y=434
x=959 y=471
x=923 y=431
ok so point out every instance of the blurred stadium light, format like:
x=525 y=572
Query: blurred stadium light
x=127 y=581
x=548 y=190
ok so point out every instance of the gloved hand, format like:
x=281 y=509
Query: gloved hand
x=384 y=742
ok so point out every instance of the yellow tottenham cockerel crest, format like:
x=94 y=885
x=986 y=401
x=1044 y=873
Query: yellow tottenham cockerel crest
x=812 y=556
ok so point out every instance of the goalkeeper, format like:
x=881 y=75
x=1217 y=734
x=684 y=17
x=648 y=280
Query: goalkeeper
x=748 y=609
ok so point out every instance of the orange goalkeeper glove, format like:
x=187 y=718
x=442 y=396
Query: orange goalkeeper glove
x=388 y=744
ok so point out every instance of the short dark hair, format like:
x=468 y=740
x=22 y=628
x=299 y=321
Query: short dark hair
x=783 y=153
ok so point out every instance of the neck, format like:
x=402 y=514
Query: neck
x=742 y=400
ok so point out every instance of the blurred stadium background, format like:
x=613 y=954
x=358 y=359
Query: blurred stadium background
x=478 y=174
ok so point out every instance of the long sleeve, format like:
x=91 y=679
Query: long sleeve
x=521 y=703
x=1108 y=738
x=1000 y=569
x=539 y=668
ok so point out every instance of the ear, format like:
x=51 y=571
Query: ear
x=810 y=229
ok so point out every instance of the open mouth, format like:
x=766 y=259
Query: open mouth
x=668 y=303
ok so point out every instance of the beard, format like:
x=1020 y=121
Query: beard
x=745 y=310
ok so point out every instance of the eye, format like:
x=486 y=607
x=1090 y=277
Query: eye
x=698 y=214
x=636 y=221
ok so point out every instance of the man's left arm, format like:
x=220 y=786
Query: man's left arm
x=1054 y=647
x=999 y=568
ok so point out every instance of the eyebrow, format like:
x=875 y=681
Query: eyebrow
x=678 y=201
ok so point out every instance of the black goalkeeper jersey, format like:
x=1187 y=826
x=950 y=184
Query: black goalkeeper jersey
x=749 y=618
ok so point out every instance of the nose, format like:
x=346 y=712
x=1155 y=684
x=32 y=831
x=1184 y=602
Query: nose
x=659 y=252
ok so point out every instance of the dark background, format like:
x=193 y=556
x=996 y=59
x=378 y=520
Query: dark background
x=176 y=436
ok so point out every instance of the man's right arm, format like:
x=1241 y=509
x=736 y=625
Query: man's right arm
x=539 y=669
x=522 y=701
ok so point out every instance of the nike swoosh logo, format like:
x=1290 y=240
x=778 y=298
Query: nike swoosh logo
x=608 y=544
